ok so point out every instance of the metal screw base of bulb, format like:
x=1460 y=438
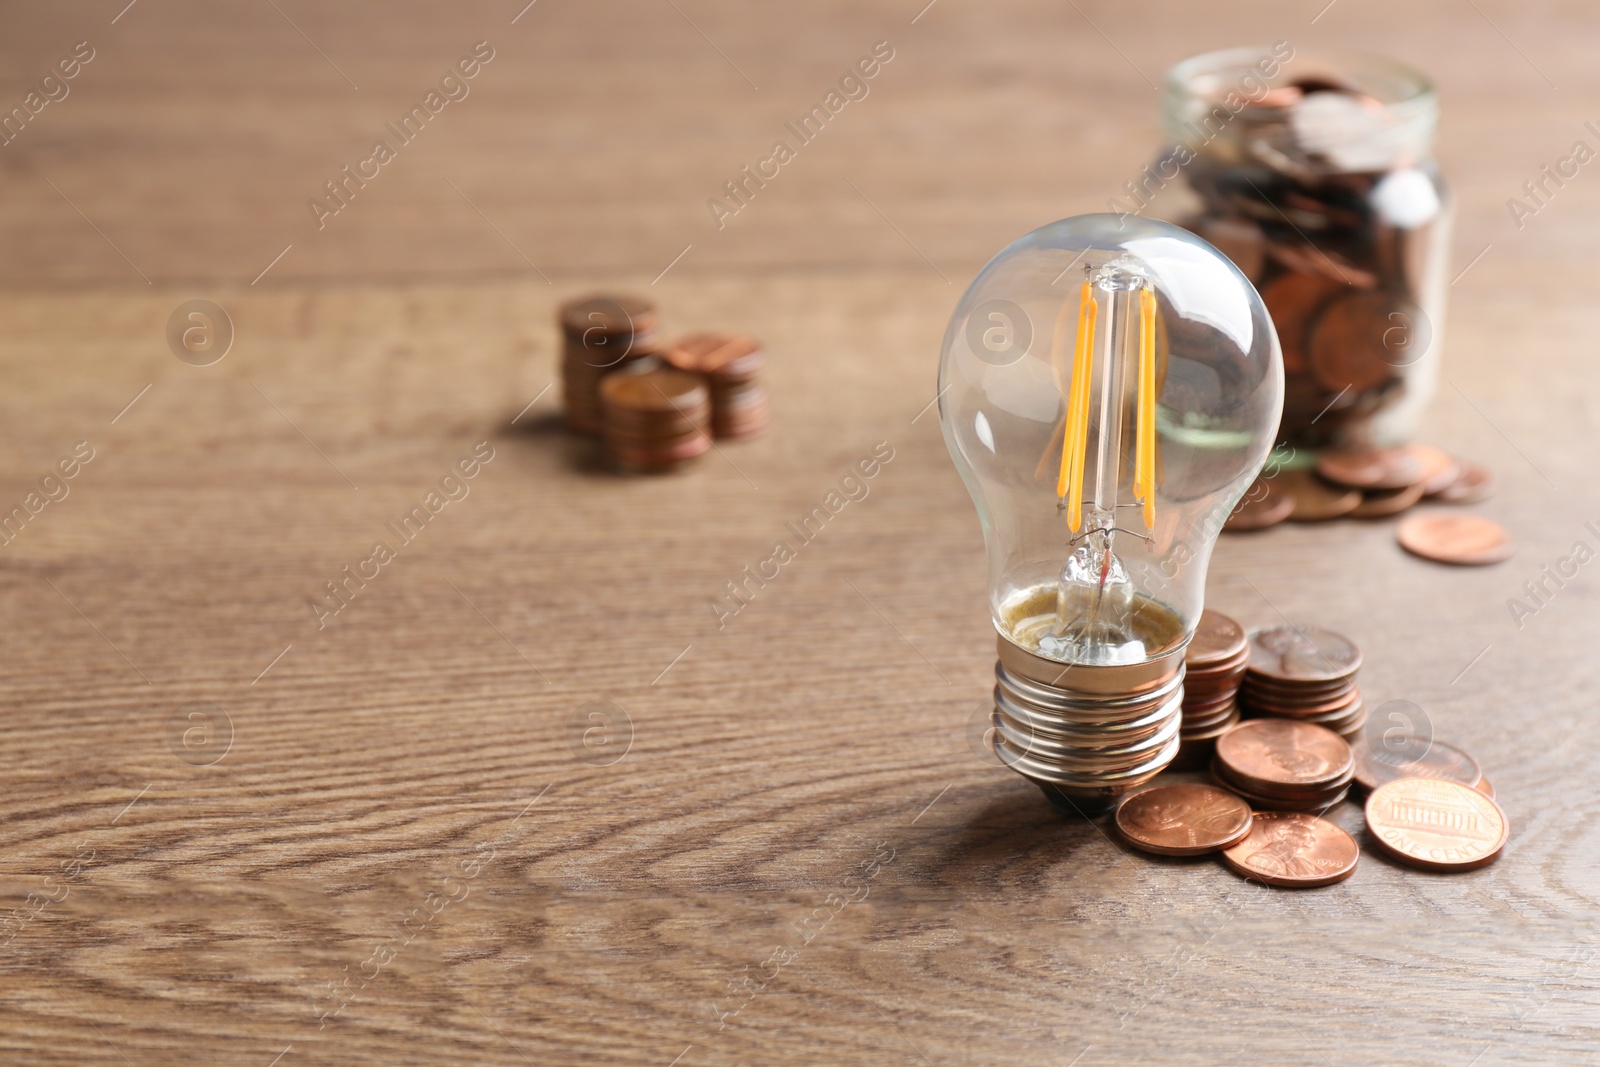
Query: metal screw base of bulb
x=1086 y=735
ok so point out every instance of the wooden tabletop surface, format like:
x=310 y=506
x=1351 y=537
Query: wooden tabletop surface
x=525 y=799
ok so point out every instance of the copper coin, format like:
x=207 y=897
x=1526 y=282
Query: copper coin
x=1217 y=639
x=1407 y=756
x=1382 y=503
x=1288 y=654
x=1473 y=484
x=1316 y=804
x=725 y=355
x=1374 y=468
x=1310 y=261
x=1360 y=340
x=1293 y=301
x=1314 y=499
x=1294 y=850
x=656 y=392
x=1464 y=540
x=1183 y=820
x=1485 y=788
x=1436 y=824
x=1209 y=733
x=1321 y=696
x=1440 y=468
x=599 y=313
x=1262 y=506
x=1271 y=755
x=1238 y=239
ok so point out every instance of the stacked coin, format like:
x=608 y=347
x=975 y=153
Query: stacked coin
x=1364 y=484
x=654 y=418
x=1279 y=765
x=729 y=364
x=600 y=335
x=1306 y=674
x=1214 y=664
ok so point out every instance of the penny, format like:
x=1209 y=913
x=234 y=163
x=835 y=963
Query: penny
x=1293 y=850
x=600 y=314
x=1183 y=820
x=1271 y=756
x=1440 y=469
x=1408 y=756
x=1292 y=301
x=1382 y=503
x=1316 y=803
x=653 y=391
x=1240 y=240
x=1473 y=485
x=1314 y=499
x=1375 y=468
x=722 y=354
x=1302 y=654
x=1436 y=824
x=1217 y=638
x=1485 y=788
x=1463 y=540
x=1261 y=506
x=1359 y=340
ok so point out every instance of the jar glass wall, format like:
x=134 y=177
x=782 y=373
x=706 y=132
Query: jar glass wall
x=1315 y=175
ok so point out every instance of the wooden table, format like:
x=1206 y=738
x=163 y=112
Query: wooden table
x=523 y=800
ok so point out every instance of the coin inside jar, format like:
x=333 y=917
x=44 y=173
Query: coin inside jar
x=1358 y=340
x=1463 y=540
x=1293 y=850
x=1183 y=820
x=1437 y=825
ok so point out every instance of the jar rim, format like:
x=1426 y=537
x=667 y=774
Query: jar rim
x=1396 y=85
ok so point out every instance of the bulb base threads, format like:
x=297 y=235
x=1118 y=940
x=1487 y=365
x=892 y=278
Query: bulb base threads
x=1086 y=735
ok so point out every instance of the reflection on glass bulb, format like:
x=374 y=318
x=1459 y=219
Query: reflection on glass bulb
x=1109 y=387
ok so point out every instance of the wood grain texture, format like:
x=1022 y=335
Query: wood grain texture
x=417 y=819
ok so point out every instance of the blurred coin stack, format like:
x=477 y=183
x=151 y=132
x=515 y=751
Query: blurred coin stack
x=1306 y=674
x=600 y=336
x=1278 y=765
x=1358 y=484
x=729 y=363
x=1214 y=665
x=654 y=419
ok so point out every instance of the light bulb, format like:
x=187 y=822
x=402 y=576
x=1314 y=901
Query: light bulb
x=1109 y=387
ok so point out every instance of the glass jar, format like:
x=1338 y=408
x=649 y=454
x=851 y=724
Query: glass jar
x=1315 y=175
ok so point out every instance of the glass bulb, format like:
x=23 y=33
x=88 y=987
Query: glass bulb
x=1109 y=387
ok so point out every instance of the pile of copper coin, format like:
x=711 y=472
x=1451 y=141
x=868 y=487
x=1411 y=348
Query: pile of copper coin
x=1379 y=483
x=655 y=406
x=1367 y=484
x=1305 y=674
x=1214 y=665
x=1428 y=804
